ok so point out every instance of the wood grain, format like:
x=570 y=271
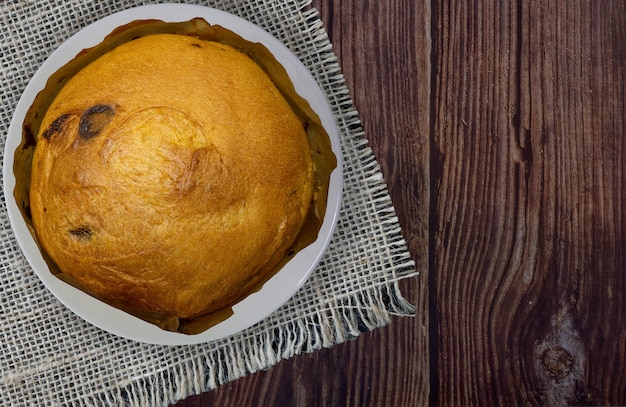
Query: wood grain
x=529 y=257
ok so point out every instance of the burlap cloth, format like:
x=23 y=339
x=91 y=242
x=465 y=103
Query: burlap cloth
x=49 y=356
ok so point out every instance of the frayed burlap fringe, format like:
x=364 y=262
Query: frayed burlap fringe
x=257 y=351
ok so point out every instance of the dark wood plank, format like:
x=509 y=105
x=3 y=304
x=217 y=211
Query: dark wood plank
x=529 y=254
x=384 y=50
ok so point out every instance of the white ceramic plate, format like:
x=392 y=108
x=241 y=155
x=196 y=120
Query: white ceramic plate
x=255 y=307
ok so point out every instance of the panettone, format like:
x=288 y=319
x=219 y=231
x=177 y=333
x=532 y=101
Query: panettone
x=171 y=176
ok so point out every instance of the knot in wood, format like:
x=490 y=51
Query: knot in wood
x=557 y=361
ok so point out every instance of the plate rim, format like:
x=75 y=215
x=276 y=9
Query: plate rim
x=294 y=274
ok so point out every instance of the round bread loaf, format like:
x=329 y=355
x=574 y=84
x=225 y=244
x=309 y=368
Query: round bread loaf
x=170 y=174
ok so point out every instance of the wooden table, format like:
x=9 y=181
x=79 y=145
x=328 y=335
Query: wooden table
x=500 y=129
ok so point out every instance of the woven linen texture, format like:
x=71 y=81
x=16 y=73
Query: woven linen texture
x=49 y=356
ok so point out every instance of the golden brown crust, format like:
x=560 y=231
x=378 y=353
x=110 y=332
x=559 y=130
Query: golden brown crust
x=175 y=186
